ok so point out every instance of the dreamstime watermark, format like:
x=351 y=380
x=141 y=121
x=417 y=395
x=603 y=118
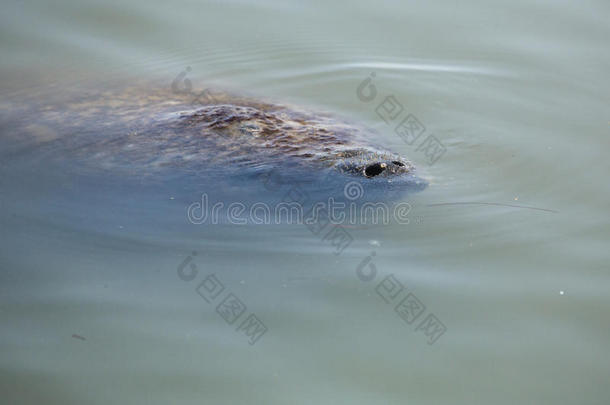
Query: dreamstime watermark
x=406 y=126
x=327 y=220
x=335 y=235
x=409 y=308
x=294 y=212
x=183 y=85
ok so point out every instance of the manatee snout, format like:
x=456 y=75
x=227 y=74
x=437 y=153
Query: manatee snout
x=394 y=167
x=371 y=164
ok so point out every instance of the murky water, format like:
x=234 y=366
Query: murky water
x=494 y=292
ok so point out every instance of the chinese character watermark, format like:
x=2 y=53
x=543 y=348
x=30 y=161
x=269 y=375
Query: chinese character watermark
x=229 y=307
x=407 y=306
x=408 y=128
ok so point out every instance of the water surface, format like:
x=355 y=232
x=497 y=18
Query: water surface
x=505 y=247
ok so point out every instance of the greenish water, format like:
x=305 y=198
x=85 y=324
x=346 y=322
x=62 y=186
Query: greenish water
x=506 y=247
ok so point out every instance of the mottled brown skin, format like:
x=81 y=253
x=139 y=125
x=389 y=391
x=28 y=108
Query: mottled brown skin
x=151 y=130
x=271 y=133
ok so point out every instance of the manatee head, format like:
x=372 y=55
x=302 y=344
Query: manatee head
x=381 y=175
x=381 y=167
x=374 y=164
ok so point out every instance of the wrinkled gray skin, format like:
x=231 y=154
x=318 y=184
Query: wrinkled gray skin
x=143 y=130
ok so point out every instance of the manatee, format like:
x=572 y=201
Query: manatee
x=150 y=131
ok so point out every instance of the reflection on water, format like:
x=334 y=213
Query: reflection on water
x=495 y=291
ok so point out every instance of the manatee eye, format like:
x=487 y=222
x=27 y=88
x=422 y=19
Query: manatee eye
x=374 y=169
x=397 y=163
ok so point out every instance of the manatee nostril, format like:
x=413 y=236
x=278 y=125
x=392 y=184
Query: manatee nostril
x=397 y=163
x=374 y=169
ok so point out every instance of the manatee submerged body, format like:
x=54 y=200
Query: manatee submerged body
x=144 y=131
